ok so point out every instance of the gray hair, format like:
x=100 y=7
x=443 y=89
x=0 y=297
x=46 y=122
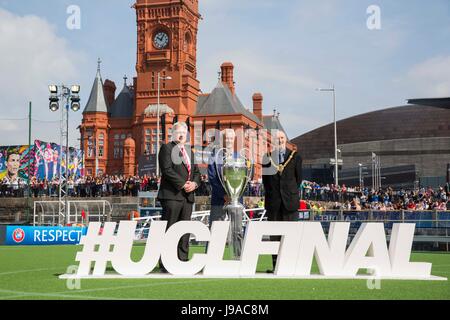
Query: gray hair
x=180 y=124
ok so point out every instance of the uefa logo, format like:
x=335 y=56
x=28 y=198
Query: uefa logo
x=18 y=235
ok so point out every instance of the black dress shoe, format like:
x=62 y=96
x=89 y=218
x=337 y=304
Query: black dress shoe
x=269 y=271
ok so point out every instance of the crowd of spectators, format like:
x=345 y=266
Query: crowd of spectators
x=105 y=186
x=81 y=186
x=325 y=197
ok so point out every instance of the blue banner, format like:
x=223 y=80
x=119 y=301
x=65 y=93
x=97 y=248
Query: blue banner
x=43 y=236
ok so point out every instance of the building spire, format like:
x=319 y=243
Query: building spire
x=99 y=62
x=97 y=101
x=125 y=78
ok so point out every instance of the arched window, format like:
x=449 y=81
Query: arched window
x=187 y=42
x=101 y=145
x=116 y=146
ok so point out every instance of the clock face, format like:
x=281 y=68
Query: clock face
x=161 y=40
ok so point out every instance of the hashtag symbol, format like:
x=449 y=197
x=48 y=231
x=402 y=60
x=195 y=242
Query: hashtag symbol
x=97 y=248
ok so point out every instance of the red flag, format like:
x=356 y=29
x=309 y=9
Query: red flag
x=83 y=214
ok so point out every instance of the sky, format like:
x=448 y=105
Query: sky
x=285 y=49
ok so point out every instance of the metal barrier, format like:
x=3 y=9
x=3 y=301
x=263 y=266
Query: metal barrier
x=144 y=223
x=46 y=213
x=431 y=226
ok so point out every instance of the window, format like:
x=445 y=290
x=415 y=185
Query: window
x=118 y=145
x=101 y=145
x=187 y=43
x=147 y=142
x=90 y=143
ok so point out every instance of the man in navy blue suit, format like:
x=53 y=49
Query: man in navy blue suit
x=218 y=194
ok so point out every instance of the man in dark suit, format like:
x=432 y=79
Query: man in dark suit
x=180 y=177
x=218 y=194
x=282 y=176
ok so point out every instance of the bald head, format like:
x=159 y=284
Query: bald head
x=280 y=140
x=229 y=136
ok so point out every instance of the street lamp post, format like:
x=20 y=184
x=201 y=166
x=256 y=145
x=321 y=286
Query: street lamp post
x=158 y=120
x=336 y=164
x=360 y=176
x=70 y=97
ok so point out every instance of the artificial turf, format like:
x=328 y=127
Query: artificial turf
x=32 y=273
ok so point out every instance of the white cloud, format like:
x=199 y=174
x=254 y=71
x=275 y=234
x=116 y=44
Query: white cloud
x=256 y=70
x=33 y=56
x=10 y=126
x=430 y=78
x=292 y=122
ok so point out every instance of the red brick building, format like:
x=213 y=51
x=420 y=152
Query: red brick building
x=115 y=131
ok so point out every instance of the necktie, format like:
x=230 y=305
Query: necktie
x=281 y=157
x=186 y=160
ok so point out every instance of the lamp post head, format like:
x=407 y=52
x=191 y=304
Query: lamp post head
x=53 y=89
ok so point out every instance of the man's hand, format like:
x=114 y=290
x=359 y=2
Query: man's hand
x=190 y=186
x=227 y=199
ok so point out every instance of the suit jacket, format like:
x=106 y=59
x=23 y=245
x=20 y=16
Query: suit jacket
x=282 y=188
x=174 y=174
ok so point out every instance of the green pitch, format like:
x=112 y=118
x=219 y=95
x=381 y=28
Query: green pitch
x=32 y=273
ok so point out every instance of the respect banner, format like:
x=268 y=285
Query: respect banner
x=27 y=235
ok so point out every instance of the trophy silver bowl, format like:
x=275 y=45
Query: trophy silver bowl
x=234 y=172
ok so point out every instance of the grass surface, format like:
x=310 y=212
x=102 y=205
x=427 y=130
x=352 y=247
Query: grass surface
x=32 y=273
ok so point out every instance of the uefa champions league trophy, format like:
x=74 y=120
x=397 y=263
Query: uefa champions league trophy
x=234 y=173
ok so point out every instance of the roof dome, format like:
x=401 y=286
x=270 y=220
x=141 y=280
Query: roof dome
x=152 y=110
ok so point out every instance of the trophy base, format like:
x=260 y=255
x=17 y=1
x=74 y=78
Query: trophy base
x=235 y=213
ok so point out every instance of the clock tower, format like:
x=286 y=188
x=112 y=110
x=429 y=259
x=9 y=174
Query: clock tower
x=167 y=45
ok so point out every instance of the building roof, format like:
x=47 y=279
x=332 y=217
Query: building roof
x=403 y=122
x=273 y=122
x=97 y=101
x=222 y=101
x=432 y=102
x=123 y=106
x=201 y=101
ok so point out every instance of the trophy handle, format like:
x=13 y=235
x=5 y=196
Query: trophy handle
x=219 y=174
x=250 y=171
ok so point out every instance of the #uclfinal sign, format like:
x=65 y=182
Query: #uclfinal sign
x=300 y=242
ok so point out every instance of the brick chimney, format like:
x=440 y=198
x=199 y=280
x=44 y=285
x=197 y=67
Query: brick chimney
x=258 y=105
x=228 y=75
x=109 y=88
